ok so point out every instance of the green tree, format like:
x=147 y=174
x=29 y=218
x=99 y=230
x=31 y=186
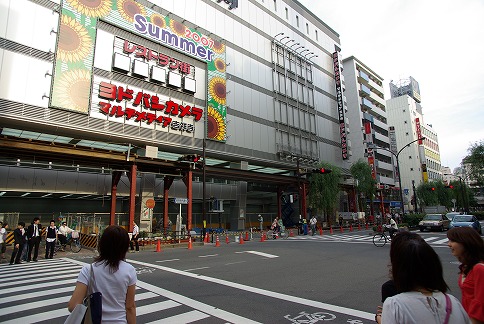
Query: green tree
x=435 y=193
x=324 y=191
x=361 y=171
x=475 y=162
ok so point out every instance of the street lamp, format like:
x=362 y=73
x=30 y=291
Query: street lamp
x=398 y=166
x=462 y=189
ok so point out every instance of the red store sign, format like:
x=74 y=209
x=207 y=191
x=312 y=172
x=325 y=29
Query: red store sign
x=112 y=92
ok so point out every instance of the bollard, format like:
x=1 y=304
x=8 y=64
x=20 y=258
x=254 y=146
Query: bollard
x=341 y=229
x=158 y=246
x=217 y=242
x=246 y=236
x=331 y=230
x=190 y=243
x=320 y=231
x=227 y=239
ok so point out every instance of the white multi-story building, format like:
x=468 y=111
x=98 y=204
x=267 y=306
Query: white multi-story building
x=432 y=153
x=405 y=116
x=251 y=86
x=368 y=119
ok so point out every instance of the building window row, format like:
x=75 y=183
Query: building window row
x=295 y=117
x=296 y=144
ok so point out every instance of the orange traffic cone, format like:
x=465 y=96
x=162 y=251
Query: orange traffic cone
x=341 y=229
x=241 y=239
x=190 y=243
x=158 y=246
x=331 y=230
x=246 y=236
x=217 y=242
x=262 y=238
x=351 y=227
x=291 y=234
x=227 y=239
x=206 y=238
x=320 y=231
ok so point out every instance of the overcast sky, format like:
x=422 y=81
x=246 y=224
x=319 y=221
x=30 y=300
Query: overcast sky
x=440 y=43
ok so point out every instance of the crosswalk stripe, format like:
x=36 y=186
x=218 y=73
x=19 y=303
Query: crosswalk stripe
x=145 y=295
x=39 y=317
x=427 y=239
x=40 y=293
x=47 y=278
x=12 y=269
x=15 y=280
x=147 y=309
x=37 y=273
x=38 y=304
x=187 y=317
x=444 y=241
x=40 y=286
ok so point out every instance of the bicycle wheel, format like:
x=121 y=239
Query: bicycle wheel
x=285 y=234
x=75 y=245
x=379 y=239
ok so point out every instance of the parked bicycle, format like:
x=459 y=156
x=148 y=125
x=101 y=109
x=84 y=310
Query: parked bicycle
x=73 y=243
x=274 y=234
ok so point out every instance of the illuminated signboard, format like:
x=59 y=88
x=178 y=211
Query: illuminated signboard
x=339 y=101
x=72 y=83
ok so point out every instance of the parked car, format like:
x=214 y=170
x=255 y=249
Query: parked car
x=466 y=220
x=451 y=215
x=434 y=222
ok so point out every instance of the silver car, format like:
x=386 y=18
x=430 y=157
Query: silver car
x=434 y=222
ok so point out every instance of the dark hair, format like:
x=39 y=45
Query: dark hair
x=415 y=264
x=4 y=224
x=35 y=219
x=113 y=246
x=21 y=224
x=473 y=246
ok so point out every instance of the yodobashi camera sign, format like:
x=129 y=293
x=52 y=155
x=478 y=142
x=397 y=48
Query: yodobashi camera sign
x=339 y=101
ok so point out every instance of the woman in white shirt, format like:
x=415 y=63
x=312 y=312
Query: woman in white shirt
x=114 y=278
x=418 y=277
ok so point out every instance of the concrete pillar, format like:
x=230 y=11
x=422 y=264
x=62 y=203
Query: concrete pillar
x=238 y=213
x=146 y=193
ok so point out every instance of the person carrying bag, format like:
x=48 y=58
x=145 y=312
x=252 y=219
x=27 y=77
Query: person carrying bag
x=90 y=311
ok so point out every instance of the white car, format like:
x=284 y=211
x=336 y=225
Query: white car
x=434 y=222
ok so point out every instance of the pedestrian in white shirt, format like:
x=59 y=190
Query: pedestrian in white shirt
x=64 y=230
x=134 y=238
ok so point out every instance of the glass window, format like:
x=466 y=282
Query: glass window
x=312 y=118
x=294 y=89
x=277 y=111
x=282 y=83
x=276 y=81
x=307 y=125
x=300 y=92
x=283 y=113
x=288 y=88
x=290 y=115
x=309 y=72
x=310 y=97
x=280 y=56
x=299 y=66
x=364 y=76
x=293 y=63
x=296 y=118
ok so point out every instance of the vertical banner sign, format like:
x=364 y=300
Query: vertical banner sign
x=76 y=38
x=339 y=101
x=418 y=130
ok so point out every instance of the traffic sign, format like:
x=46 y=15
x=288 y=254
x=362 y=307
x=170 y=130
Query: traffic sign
x=150 y=203
x=182 y=201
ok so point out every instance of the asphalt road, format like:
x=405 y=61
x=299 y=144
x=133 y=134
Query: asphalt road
x=303 y=279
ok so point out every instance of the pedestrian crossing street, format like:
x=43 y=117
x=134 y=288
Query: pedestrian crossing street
x=365 y=237
x=38 y=292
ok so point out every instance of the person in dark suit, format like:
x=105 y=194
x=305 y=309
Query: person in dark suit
x=18 y=244
x=34 y=232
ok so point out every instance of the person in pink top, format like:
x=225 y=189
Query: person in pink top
x=468 y=247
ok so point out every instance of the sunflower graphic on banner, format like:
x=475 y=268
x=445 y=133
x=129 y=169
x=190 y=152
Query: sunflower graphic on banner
x=76 y=39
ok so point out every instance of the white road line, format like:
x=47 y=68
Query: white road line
x=38 y=273
x=40 y=286
x=211 y=310
x=38 y=304
x=444 y=241
x=207 y=256
x=263 y=292
x=188 y=317
x=28 y=281
x=170 y=260
x=38 y=317
x=16 y=268
x=39 y=293
x=230 y=263
x=197 y=268
x=427 y=239
x=145 y=295
x=266 y=255
x=151 y=308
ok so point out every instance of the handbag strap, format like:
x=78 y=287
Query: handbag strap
x=448 y=308
x=92 y=282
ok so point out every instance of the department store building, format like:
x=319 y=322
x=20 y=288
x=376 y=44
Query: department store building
x=102 y=101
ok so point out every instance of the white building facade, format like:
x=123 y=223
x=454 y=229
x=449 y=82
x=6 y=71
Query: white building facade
x=256 y=83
